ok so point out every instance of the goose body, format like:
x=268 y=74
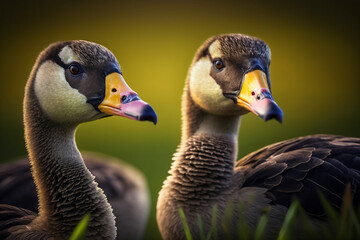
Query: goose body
x=71 y=83
x=229 y=77
x=124 y=186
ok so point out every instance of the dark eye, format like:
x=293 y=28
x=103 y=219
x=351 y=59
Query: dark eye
x=74 y=69
x=218 y=64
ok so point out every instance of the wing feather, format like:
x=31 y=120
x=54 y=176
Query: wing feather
x=301 y=167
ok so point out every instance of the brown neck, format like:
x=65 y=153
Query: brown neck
x=196 y=121
x=66 y=189
x=203 y=166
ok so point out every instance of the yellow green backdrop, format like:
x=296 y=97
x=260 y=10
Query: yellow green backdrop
x=315 y=68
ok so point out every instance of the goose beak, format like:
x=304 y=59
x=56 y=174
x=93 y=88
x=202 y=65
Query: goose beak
x=120 y=100
x=256 y=97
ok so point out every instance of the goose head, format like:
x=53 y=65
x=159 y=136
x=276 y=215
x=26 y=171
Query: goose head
x=80 y=81
x=230 y=76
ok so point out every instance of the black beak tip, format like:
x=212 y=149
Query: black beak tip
x=276 y=116
x=148 y=114
x=273 y=113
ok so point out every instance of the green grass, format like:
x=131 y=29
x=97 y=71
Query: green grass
x=185 y=224
x=259 y=231
x=80 y=230
x=343 y=225
x=288 y=224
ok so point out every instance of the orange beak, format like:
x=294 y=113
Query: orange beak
x=256 y=97
x=120 y=100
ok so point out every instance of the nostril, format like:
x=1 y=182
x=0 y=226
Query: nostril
x=114 y=90
x=253 y=93
x=123 y=98
x=258 y=97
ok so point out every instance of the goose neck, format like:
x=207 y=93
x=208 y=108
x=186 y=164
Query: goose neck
x=203 y=167
x=66 y=188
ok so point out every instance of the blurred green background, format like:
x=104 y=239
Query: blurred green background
x=315 y=69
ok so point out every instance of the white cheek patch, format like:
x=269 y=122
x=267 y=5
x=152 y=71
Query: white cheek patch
x=57 y=98
x=215 y=50
x=67 y=55
x=205 y=91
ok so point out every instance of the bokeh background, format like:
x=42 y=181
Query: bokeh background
x=315 y=69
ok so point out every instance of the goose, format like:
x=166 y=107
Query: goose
x=229 y=77
x=71 y=82
x=124 y=186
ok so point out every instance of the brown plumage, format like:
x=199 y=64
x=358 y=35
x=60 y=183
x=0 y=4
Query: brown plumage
x=229 y=77
x=124 y=186
x=68 y=86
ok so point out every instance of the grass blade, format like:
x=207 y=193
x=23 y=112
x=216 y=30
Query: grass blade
x=185 y=224
x=80 y=230
x=243 y=228
x=286 y=228
x=329 y=210
x=201 y=228
x=212 y=234
x=213 y=230
x=228 y=220
x=261 y=226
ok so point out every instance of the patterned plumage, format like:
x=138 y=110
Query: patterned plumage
x=71 y=83
x=229 y=77
x=123 y=185
x=300 y=167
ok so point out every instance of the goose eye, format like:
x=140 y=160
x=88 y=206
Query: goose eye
x=218 y=64
x=74 y=69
